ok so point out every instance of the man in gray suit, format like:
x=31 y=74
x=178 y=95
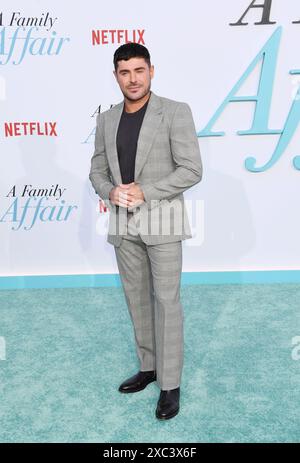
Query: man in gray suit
x=146 y=155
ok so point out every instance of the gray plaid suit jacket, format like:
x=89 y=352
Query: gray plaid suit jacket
x=168 y=162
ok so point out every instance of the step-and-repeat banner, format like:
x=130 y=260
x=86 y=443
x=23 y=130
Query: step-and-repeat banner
x=236 y=63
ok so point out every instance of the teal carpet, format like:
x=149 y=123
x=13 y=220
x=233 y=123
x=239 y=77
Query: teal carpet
x=67 y=351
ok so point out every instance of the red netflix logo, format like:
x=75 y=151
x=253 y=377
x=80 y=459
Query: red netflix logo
x=105 y=37
x=17 y=129
x=102 y=206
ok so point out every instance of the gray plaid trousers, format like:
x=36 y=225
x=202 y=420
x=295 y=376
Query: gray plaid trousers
x=150 y=276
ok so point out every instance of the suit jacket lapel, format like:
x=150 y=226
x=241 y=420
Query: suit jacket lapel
x=111 y=130
x=151 y=122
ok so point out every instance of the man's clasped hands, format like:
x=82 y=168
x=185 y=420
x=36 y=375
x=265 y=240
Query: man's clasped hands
x=127 y=195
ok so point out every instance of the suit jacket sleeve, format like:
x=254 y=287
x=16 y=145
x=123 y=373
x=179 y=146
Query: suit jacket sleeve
x=99 y=172
x=186 y=154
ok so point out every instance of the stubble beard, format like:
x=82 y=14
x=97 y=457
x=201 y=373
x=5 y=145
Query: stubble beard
x=129 y=98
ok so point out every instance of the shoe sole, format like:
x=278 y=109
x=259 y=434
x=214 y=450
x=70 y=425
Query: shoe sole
x=136 y=390
x=167 y=417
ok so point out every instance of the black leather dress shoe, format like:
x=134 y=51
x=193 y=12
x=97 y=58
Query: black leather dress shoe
x=168 y=404
x=138 y=382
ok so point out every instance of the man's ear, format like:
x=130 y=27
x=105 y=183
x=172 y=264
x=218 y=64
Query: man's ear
x=152 y=71
x=115 y=74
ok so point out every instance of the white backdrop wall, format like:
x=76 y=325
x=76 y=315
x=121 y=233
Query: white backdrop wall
x=241 y=220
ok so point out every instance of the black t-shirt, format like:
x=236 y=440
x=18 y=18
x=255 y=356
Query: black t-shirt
x=127 y=139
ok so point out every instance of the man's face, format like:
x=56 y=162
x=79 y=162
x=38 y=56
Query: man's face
x=134 y=78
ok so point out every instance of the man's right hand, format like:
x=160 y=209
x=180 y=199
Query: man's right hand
x=118 y=195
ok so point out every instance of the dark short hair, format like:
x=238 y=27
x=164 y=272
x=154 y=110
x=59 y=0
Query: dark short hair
x=131 y=50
